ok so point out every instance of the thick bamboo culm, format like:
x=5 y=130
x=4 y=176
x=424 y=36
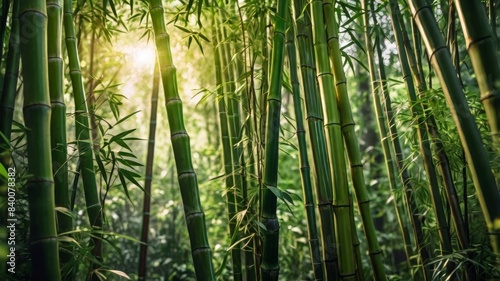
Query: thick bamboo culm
x=269 y=266
x=43 y=245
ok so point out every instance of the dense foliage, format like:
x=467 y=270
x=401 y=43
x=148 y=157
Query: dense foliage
x=328 y=140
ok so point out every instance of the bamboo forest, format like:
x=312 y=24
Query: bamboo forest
x=250 y=140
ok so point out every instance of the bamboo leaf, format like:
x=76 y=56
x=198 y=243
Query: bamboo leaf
x=119 y=273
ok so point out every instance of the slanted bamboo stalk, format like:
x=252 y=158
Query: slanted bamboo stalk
x=382 y=124
x=482 y=49
x=195 y=217
x=351 y=140
x=482 y=176
x=425 y=150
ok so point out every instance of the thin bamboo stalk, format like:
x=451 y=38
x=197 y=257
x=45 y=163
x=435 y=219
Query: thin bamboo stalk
x=382 y=124
x=143 y=251
x=314 y=117
x=222 y=80
x=86 y=158
x=8 y=95
x=305 y=169
x=3 y=25
x=234 y=124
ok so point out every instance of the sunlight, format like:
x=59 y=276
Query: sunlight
x=139 y=60
x=139 y=55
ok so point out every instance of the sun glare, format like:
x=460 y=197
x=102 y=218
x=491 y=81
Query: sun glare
x=139 y=55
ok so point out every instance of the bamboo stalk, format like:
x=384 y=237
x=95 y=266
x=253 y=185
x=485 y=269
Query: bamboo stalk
x=470 y=137
x=3 y=25
x=222 y=77
x=347 y=268
x=269 y=266
x=58 y=122
x=422 y=134
x=381 y=122
x=482 y=49
x=305 y=169
x=195 y=218
x=143 y=252
x=314 y=117
x=43 y=244
x=351 y=140
x=442 y=161
x=93 y=203
x=8 y=95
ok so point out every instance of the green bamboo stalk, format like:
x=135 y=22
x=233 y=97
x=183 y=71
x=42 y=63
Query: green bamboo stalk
x=492 y=9
x=58 y=122
x=7 y=98
x=223 y=80
x=3 y=25
x=381 y=122
x=347 y=268
x=247 y=182
x=234 y=133
x=424 y=145
x=264 y=85
x=470 y=137
x=269 y=266
x=356 y=243
x=91 y=100
x=195 y=218
x=408 y=190
x=40 y=185
x=143 y=252
x=93 y=203
x=481 y=46
x=442 y=161
x=305 y=169
x=351 y=140
x=321 y=163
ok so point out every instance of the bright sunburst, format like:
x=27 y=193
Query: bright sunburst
x=139 y=55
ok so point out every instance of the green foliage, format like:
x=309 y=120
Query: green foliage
x=121 y=87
